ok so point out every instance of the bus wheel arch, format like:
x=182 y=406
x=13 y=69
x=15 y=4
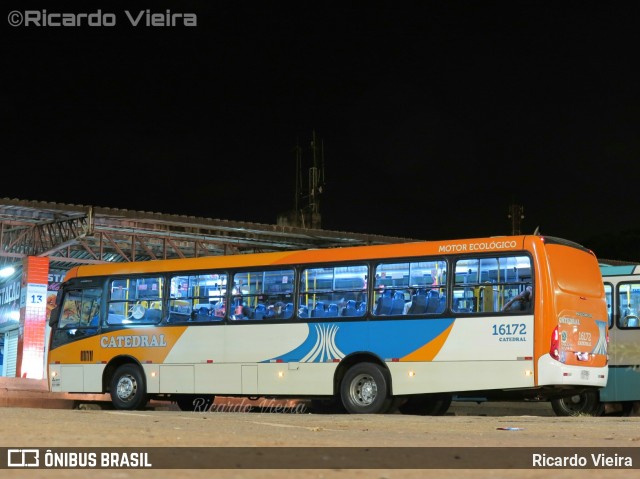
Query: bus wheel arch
x=364 y=385
x=126 y=383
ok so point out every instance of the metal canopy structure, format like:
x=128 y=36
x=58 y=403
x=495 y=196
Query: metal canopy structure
x=77 y=234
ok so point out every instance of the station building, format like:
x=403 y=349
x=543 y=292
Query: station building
x=41 y=241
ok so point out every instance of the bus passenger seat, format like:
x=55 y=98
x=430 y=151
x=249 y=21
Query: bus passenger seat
x=318 y=311
x=433 y=303
x=260 y=311
x=443 y=303
x=332 y=311
x=397 y=304
x=350 y=308
x=288 y=311
x=418 y=304
x=383 y=305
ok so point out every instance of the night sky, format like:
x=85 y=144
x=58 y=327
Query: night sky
x=435 y=116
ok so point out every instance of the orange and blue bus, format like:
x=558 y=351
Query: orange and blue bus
x=368 y=329
x=622 y=290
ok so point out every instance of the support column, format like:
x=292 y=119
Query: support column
x=33 y=318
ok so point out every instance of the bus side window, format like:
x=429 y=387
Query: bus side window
x=629 y=317
x=486 y=292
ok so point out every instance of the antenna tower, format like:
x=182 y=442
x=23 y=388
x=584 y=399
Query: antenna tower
x=516 y=215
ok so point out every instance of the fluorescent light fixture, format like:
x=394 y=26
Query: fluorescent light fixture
x=6 y=272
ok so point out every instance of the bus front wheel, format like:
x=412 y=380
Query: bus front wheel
x=583 y=404
x=365 y=389
x=128 y=389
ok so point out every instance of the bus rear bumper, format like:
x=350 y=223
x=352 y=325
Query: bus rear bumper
x=552 y=372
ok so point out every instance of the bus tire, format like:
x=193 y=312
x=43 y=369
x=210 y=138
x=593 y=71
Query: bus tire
x=583 y=404
x=195 y=402
x=365 y=389
x=128 y=389
x=427 y=404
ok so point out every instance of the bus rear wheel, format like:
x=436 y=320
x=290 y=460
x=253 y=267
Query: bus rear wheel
x=195 y=402
x=128 y=390
x=427 y=404
x=583 y=404
x=365 y=389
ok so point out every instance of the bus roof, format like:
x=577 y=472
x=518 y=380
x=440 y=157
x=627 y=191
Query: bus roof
x=494 y=244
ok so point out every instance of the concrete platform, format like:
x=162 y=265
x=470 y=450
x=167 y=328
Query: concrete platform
x=34 y=393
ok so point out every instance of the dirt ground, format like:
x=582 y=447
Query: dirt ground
x=49 y=428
